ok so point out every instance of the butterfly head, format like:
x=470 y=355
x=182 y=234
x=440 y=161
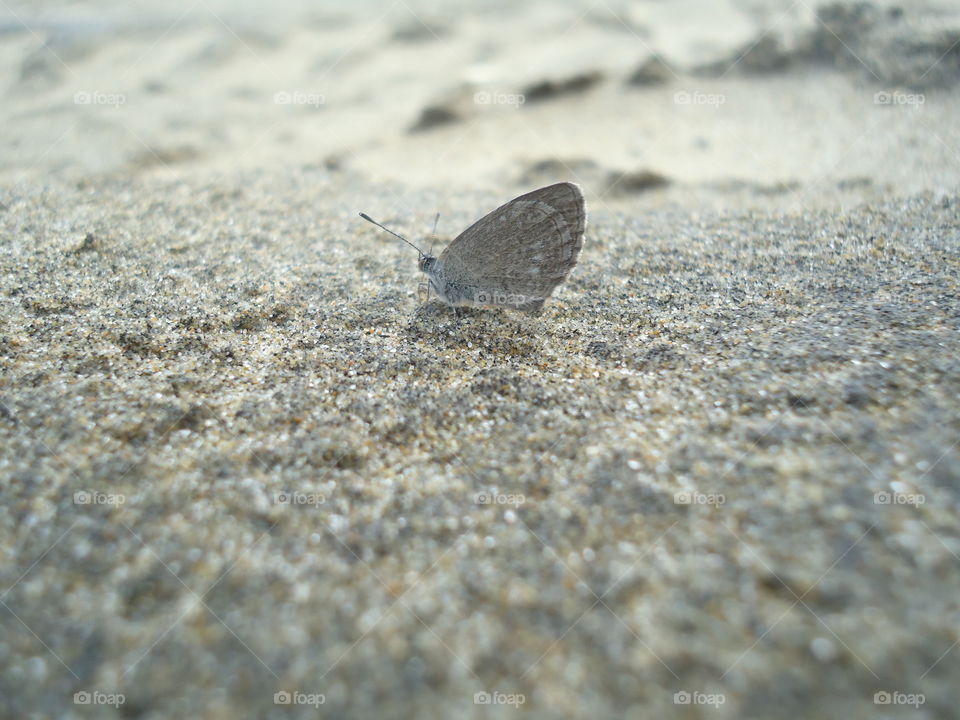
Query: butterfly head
x=426 y=263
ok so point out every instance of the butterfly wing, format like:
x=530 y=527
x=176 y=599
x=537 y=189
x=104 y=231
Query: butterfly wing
x=516 y=255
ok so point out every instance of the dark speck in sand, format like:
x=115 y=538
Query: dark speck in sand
x=550 y=89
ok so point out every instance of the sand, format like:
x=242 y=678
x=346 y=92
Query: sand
x=717 y=476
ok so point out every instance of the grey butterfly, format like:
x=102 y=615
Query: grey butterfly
x=513 y=257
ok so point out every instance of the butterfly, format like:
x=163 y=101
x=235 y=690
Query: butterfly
x=513 y=257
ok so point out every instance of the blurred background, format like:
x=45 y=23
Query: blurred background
x=727 y=103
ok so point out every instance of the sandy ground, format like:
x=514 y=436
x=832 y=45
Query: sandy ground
x=716 y=477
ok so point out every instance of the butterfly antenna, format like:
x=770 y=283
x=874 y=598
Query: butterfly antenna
x=436 y=221
x=370 y=219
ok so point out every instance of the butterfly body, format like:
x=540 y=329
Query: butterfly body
x=516 y=255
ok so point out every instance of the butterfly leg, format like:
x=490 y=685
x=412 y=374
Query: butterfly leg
x=423 y=292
